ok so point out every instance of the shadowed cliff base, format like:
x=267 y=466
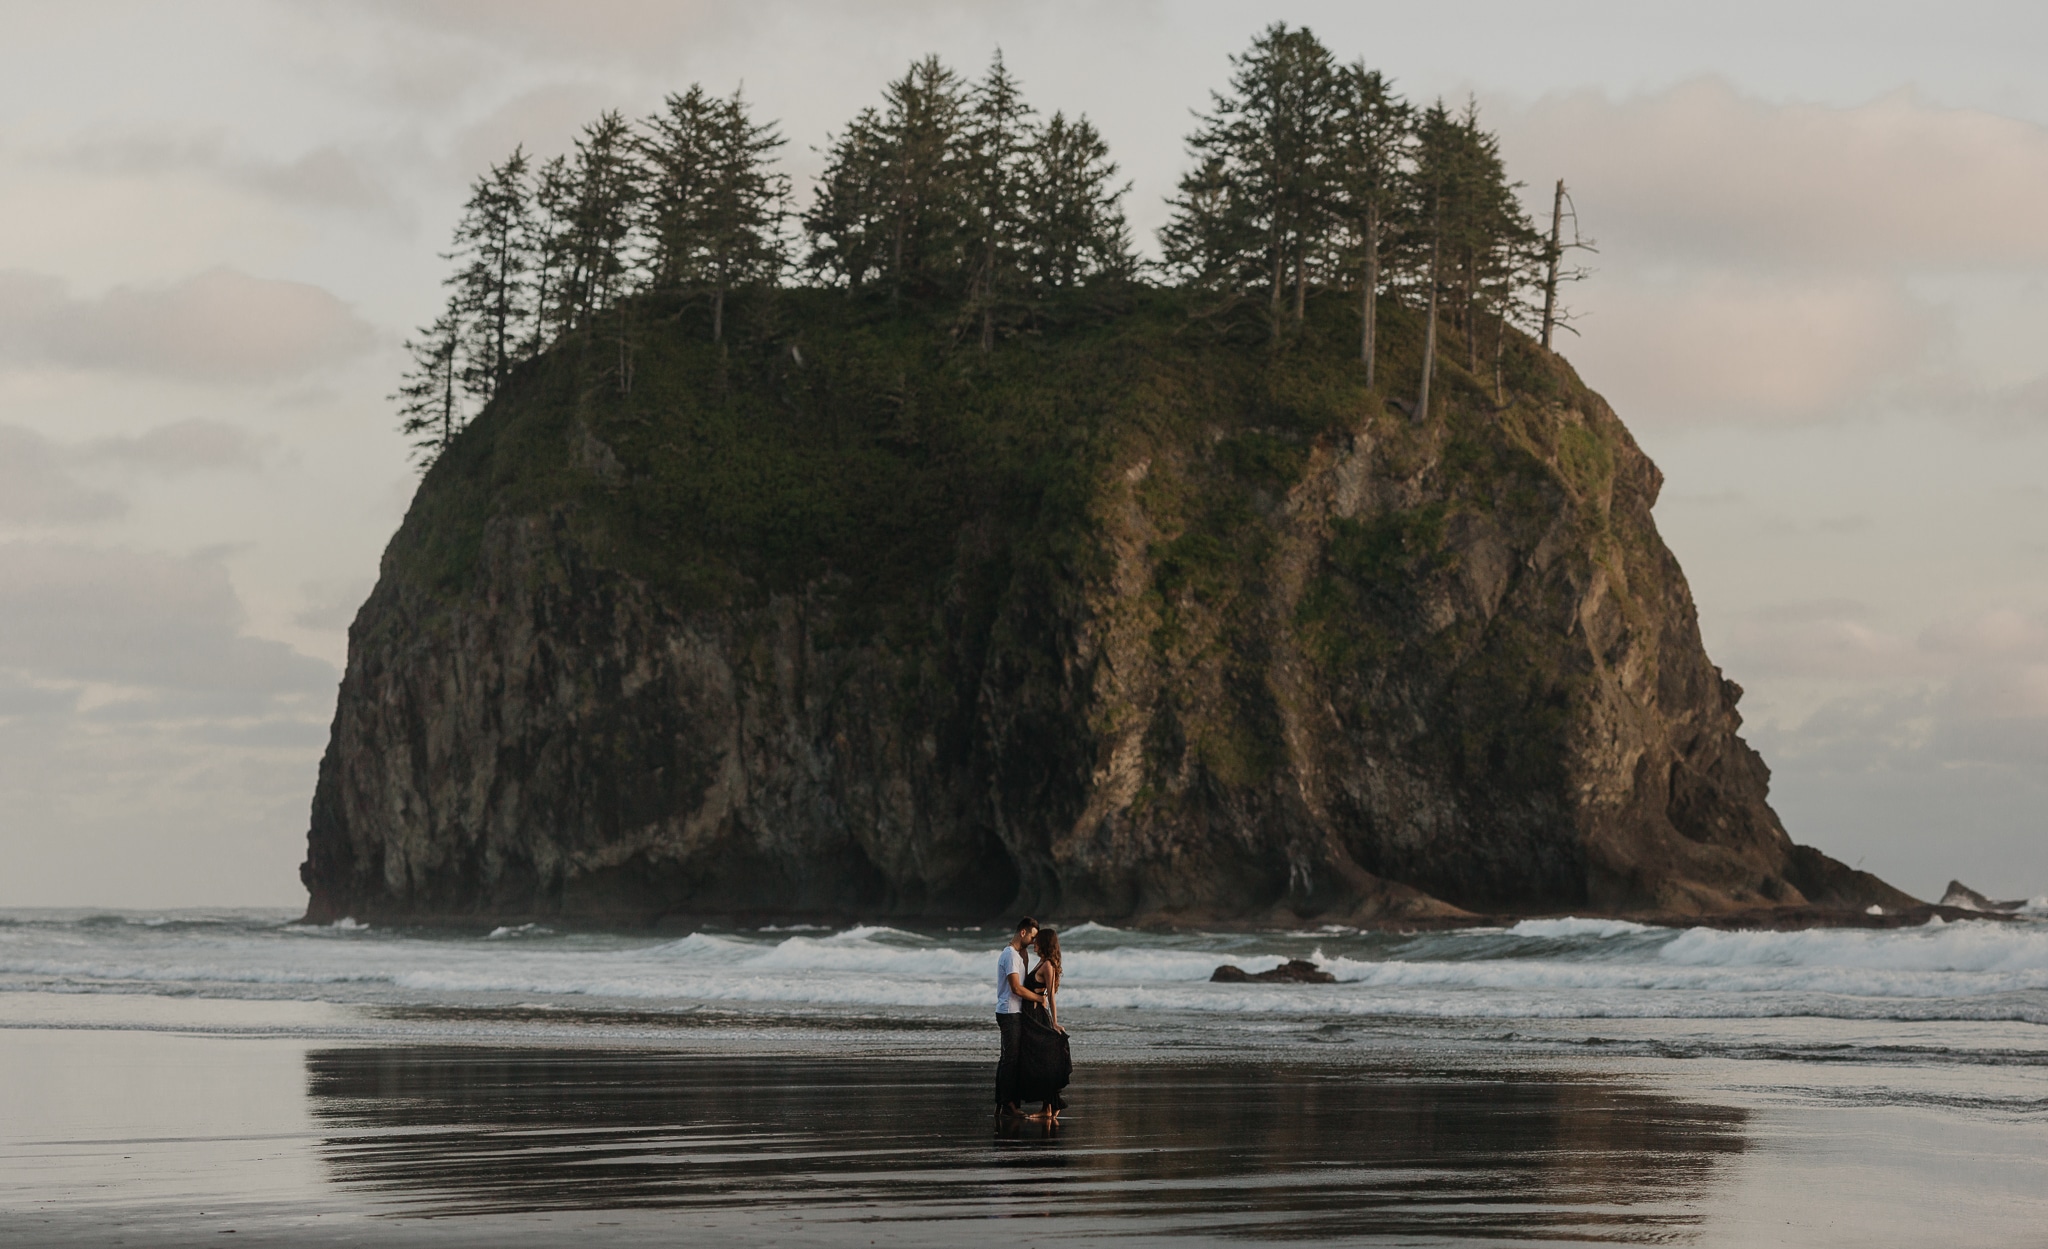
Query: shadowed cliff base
x=1140 y=616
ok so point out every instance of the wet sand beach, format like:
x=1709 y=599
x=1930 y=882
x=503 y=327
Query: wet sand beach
x=186 y=1122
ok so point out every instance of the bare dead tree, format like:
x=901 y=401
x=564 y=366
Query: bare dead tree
x=1561 y=208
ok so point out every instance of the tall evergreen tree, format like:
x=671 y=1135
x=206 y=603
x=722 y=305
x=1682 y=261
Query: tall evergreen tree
x=894 y=199
x=430 y=394
x=923 y=177
x=491 y=296
x=997 y=134
x=1371 y=129
x=714 y=205
x=1481 y=226
x=607 y=177
x=680 y=147
x=848 y=223
x=552 y=247
x=1074 y=221
x=1477 y=238
x=1265 y=165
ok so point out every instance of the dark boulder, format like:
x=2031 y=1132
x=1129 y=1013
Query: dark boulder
x=1293 y=971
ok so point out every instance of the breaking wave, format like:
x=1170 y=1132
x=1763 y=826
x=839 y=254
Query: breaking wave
x=1552 y=968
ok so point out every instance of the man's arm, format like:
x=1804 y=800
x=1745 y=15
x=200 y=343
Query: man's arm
x=1017 y=987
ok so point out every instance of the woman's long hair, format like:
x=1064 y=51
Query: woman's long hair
x=1048 y=947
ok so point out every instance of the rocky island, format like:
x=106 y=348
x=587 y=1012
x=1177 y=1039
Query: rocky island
x=1139 y=601
x=1137 y=620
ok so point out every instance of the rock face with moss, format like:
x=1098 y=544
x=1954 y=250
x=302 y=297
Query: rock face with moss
x=1141 y=615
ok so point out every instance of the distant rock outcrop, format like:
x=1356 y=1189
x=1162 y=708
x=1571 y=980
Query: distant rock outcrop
x=1962 y=897
x=1142 y=618
x=1293 y=971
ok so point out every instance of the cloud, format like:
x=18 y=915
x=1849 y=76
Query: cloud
x=1771 y=262
x=644 y=30
x=182 y=446
x=1968 y=691
x=220 y=325
x=332 y=605
x=325 y=177
x=1734 y=347
x=79 y=614
x=1702 y=171
x=1829 y=640
x=37 y=489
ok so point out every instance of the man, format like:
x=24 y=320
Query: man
x=1010 y=998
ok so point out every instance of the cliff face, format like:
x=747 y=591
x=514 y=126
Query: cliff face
x=1141 y=621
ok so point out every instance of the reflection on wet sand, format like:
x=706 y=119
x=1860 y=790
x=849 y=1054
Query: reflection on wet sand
x=1222 y=1149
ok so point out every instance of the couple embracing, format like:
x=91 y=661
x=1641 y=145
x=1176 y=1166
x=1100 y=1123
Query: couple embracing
x=1035 y=1064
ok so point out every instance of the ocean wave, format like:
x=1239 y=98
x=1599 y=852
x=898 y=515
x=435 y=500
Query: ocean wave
x=1965 y=946
x=340 y=926
x=1089 y=929
x=1573 y=926
x=1563 y=968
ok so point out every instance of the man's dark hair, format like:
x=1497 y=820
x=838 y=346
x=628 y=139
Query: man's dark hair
x=1025 y=923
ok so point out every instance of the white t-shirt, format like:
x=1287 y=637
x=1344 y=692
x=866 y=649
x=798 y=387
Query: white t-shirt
x=1007 y=1002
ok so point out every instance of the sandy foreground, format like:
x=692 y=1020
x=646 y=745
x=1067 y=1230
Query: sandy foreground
x=162 y=1121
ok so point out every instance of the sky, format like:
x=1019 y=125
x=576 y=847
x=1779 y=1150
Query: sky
x=1820 y=301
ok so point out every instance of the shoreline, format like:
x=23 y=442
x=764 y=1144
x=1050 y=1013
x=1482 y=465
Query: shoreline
x=1761 y=919
x=176 y=1138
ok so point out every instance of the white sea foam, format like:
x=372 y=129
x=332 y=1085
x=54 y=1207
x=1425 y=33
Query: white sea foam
x=1540 y=968
x=1573 y=926
x=1089 y=929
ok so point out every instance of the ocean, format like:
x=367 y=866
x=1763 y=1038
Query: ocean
x=1556 y=1081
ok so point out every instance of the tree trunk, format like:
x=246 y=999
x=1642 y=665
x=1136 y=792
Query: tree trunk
x=447 y=398
x=1500 y=347
x=718 y=314
x=1300 y=287
x=1368 y=348
x=1472 y=312
x=988 y=299
x=1428 y=339
x=1550 y=278
x=896 y=264
x=1279 y=274
x=503 y=328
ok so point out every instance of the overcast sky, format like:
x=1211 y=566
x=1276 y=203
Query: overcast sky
x=1821 y=303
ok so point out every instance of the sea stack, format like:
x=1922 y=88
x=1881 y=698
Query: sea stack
x=1142 y=617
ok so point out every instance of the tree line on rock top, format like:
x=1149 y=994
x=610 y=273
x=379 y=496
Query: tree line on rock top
x=958 y=198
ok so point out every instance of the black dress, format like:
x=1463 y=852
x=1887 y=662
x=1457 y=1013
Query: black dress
x=1044 y=1064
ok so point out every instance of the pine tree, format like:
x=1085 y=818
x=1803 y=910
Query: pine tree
x=430 y=394
x=1074 y=223
x=607 y=178
x=714 y=207
x=848 y=222
x=748 y=206
x=997 y=135
x=1473 y=228
x=1212 y=239
x=1265 y=165
x=923 y=178
x=895 y=199
x=680 y=147
x=552 y=246
x=491 y=293
x=1372 y=132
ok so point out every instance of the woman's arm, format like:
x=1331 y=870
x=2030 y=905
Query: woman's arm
x=1052 y=990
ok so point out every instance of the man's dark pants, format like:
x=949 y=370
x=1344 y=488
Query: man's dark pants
x=1011 y=1024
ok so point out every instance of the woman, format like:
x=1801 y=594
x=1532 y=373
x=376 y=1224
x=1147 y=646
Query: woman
x=1044 y=1063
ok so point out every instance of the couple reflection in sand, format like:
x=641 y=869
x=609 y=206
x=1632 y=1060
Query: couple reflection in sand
x=1035 y=1064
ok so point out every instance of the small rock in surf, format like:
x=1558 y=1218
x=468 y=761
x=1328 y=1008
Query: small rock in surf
x=1963 y=897
x=1293 y=971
